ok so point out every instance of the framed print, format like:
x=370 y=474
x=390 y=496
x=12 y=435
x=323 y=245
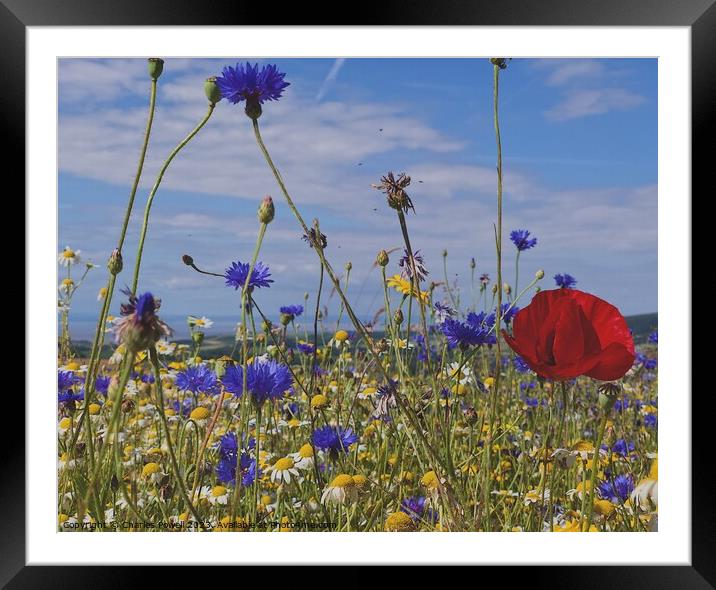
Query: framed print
x=415 y=291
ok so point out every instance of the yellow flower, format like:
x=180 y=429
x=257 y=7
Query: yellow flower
x=341 y=336
x=489 y=382
x=399 y=522
x=94 y=409
x=603 y=507
x=429 y=480
x=319 y=401
x=654 y=470
x=150 y=469
x=405 y=287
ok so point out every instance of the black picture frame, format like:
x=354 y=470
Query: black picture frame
x=700 y=15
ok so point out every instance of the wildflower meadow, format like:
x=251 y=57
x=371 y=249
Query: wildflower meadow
x=503 y=402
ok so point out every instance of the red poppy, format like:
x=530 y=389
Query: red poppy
x=565 y=333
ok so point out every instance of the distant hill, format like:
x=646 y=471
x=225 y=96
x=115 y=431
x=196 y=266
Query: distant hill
x=641 y=326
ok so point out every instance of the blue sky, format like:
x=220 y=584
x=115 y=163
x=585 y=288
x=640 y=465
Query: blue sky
x=580 y=172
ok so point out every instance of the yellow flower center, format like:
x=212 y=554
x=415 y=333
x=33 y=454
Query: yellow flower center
x=217 y=491
x=343 y=481
x=583 y=446
x=360 y=481
x=150 y=469
x=306 y=451
x=72 y=366
x=489 y=382
x=429 y=480
x=68 y=254
x=399 y=522
x=94 y=409
x=319 y=401
x=65 y=423
x=341 y=336
x=283 y=464
x=200 y=413
x=68 y=282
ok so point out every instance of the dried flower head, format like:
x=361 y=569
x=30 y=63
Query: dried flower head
x=394 y=188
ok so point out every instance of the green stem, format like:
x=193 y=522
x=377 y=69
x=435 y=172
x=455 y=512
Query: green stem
x=170 y=447
x=157 y=182
x=410 y=414
x=595 y=462
x=498 y=310
x=92 y=365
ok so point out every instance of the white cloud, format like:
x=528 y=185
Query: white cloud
x=330 y=78
x=596 y=101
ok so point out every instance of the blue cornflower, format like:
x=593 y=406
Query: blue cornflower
x=334 y=438
x=292 y=310
x=184 y=408
x=565 y=281
x=140 y=327
x=520 y=365
x=422 y=354
x=650 y=420
x=198 y=379
x=621 y=404
x=228 y=453
x=654 y=337
x=101 y=384
x=305 y=347
x=622 y=447
x=238 y=271
x=463 y=334
x=66 y=380
x=531 y=402
x=226 y=469
x=508 y=312
x=646 y=362
x=521 y=239
x=414 y=507
x=70 y=396
x=618 y=490
x=264 y=380
x=251 y=84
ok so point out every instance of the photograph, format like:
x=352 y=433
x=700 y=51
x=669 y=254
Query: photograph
x=357 y=294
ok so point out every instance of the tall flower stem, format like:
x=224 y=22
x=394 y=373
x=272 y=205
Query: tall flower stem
x=498 y=310
x=245 y=301
x=606 y=409
x=167 y=435
x=447 y=282
x=415 y=285
x=111 y=429
x=157 y=182
x=559 y=441
x=410 y=414
x=98 y=341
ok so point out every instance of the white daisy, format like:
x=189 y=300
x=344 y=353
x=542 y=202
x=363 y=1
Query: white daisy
x=341 y=490
x=202 y=322
x=282 y=470
x=303 y=458
x=68 y=257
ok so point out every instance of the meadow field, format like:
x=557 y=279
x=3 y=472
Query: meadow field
x=499 y=403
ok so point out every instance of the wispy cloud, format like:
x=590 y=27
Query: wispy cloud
x=330 y=78
x=596 y=101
